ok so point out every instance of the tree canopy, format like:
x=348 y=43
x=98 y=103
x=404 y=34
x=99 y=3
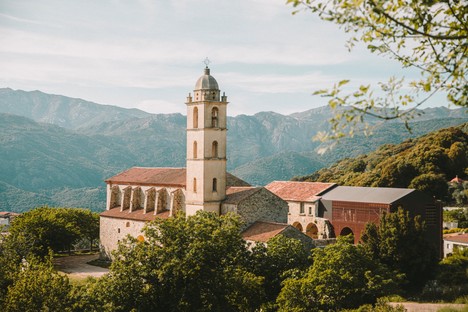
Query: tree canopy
x=428 y=35
x=38 y=230
x=342 y=276
x=399 y=243
x=426 y=164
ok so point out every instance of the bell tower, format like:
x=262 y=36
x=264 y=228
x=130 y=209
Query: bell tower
x=206 y=146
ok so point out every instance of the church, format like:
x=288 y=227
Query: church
x=139 y=195
x=302 y=210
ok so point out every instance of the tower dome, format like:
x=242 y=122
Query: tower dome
x=206 y=82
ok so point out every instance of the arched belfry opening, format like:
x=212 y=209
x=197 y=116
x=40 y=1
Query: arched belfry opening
x=195 y=117
x=214 y=117
x=214 y=149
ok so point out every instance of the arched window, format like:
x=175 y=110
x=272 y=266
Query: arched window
x=195 y=117
x=214 y=117
x=195 y=148
x=194 y=185
x=215 y=185
x=214 y=149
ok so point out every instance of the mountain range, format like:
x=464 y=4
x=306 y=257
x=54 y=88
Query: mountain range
x=57 y=150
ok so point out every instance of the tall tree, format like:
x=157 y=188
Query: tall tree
x=428 y=35
x=342 y=276
x=399 y=242
x=276 y=261
x=38 y=287
x=198 y=263
x=38 y=230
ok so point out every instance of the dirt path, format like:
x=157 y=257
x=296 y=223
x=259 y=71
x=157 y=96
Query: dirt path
x=427 y=307
x=76 y=266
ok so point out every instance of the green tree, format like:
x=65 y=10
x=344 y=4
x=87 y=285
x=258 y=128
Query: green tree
x=342 y=276
x=198 y=263
x=38 y=287
x=38 y=230
x=432 y=184
x=398 y=242
x=278 y=260
x=428 y=35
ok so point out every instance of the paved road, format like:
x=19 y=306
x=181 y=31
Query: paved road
x=428 y=307
x=76 y=266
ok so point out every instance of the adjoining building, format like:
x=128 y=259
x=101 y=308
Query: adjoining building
x=454 y=242
x=303 y=200
x=349 y=209
x=6 y=218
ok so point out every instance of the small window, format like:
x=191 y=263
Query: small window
x=310 y=210
x=195 y=149
x=214 y=117
x=118 y=230
x=302 y=208
x=195 y=117
x=214 y=149
x=194 y=185
x=127 y=224
x=215 y=185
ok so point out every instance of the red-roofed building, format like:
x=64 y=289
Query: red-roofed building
x=457 y=180
x=453 y=242
x=303 y=200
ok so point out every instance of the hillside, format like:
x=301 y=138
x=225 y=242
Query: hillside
x=425 y=163
x=70 y=113
x=82 y=143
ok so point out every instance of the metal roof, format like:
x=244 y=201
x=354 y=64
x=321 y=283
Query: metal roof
x=360 y=194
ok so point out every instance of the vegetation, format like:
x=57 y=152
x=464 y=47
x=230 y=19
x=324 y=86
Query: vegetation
x=201 y=263
x=429 y=36
x=426 y=163
x=35 y=232
x=459 y=215
x=342 y=276
x=399 y=243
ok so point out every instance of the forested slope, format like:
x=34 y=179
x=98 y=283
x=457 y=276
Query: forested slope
x=425 y=163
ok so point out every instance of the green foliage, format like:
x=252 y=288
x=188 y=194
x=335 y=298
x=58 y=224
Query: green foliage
x=42 y=229
x=342 y=276
x=427 y=35
x=399 y=243
x=424 y=163
x=460 y=215
x=196 y=263
x=38 y=287
x=282 y=258
x=451 y=280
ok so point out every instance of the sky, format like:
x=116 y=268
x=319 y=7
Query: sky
x=148 y=54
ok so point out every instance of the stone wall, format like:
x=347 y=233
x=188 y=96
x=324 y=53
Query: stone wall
x=113 y=230
x=263 y=205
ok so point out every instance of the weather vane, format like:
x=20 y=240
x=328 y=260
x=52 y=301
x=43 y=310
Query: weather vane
x=207 y=61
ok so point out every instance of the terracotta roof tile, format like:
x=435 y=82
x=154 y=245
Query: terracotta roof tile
x=299 y=191
x=175 y=177
x=456 y=180
x=8 y=214
x=460 y=238
x=262 y=231
x=137 y=215
x=236 y=194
